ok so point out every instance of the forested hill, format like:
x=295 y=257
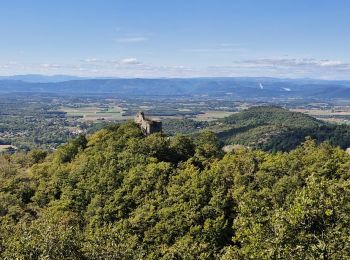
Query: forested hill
x=272 y=115
x=277 y=129
x=120 y=195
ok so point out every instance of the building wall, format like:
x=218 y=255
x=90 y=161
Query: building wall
x=147 y=126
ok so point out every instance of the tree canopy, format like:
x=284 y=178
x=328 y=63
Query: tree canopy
x=120 y=195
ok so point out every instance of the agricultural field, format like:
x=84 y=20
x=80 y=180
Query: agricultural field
x=212 y=115
x=338 y=115
x=47 y=121
x=114 y=113
x=120 y=110
x=95 y=113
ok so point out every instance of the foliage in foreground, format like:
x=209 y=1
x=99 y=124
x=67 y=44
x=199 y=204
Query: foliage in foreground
x=119 y=195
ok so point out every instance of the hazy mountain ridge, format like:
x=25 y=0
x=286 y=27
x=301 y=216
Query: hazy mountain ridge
x=212 y=87
x=38 y=78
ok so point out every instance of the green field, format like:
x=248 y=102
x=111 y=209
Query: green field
x=94 y=113
x=212 y=115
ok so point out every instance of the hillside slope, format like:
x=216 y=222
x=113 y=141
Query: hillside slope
x=277 y=129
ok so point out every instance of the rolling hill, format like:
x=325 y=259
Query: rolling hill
x=277 y=129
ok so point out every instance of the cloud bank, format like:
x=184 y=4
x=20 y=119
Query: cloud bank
x=132 y=67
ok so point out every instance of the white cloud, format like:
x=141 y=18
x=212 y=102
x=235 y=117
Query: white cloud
x=104 y=62
x=131 y=39
x=282 y=67
x=51 y=66
x=332 y=63
x=212 y=50
x=129 y=61
x=132 y=67
x=293 y=63
x=90 y=60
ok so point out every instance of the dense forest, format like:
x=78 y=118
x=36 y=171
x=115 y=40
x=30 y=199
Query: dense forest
x=119 y=195
x=276 y=129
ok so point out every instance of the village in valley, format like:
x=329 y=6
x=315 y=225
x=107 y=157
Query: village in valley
x=47 y=121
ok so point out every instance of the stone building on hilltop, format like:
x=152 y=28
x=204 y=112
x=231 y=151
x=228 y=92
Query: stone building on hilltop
x=148 y=126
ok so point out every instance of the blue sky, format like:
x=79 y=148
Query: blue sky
x=176 y=38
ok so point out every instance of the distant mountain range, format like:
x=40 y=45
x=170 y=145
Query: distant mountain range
x=240 y=88
x=37 y=78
